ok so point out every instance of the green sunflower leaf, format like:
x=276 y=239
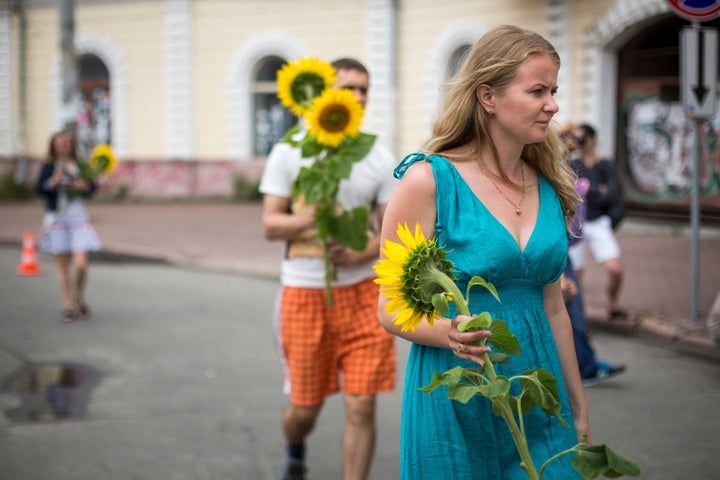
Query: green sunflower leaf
x=498 y=358
x=309 y=147
x=502 y=339
x=478 y=281
x=350 y=228
x=593 y=461
x=540 y=388
x=481 y=321
x=454 y=375
x=498 y=387
x=356 y=148
x=440 y=302
x=339 y=168
x=462 y=392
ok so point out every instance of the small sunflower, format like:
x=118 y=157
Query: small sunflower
x=334 y=116
x=411 y=274
x=103 y=160
x=300 y=82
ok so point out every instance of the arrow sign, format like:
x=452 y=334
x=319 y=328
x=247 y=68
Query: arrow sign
x=699 y=71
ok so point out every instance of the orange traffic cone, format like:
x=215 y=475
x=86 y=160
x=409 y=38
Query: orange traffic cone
x=28 y=261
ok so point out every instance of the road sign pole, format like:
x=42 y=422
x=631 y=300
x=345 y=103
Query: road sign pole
x=699 y=97
x=695 y=223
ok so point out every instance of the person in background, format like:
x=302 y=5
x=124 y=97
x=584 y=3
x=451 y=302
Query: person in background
x=319 y=342
x=67 y=233
x=598 y=232
x=592 y=370
x=491 y=187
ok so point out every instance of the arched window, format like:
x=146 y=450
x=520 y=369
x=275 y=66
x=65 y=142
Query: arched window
x=271 y=120
x=93 y=121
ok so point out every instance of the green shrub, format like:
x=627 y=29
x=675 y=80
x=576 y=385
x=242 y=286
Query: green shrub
x=10 y=190
x=245 y=190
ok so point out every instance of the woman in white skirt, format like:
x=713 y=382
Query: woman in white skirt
x=67 y=232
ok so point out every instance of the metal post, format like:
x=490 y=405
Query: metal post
x=695 y=222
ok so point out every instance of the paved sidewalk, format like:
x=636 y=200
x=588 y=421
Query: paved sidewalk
x=224 y=236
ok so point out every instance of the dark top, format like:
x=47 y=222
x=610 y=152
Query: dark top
x=51 y=194
x=603 y=172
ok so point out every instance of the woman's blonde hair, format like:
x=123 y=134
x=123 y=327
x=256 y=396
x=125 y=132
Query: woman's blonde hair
x=494 y=60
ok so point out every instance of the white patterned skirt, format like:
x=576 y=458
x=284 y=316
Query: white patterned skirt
x=68 y=230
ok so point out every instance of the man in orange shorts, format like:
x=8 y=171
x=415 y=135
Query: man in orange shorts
x=337 y=348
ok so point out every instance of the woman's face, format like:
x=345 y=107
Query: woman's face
x=523 y=111
x=63 y=145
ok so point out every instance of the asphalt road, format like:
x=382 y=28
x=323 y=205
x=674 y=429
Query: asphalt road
x=181 y=381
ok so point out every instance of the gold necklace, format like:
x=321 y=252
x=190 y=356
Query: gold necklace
x=518 y=206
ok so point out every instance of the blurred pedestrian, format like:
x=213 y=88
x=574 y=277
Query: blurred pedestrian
x=604 y=192
x=67 y=233
x=566 y=131
x=341 y=347
x=592 y=370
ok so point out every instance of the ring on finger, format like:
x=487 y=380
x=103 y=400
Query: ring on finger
x=460 y=348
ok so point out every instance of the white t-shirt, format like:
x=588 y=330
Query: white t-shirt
x=371 y=183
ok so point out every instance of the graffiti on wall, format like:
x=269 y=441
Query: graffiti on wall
x=657 y=140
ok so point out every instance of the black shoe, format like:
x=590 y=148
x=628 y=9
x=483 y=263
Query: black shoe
x=604 y=373
x=293 y=470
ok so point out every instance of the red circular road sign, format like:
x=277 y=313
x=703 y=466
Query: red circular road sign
x=696 y=10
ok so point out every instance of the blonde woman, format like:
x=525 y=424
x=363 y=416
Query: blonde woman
x=492 y=186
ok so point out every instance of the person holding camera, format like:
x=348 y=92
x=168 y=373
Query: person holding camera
x=603 y=198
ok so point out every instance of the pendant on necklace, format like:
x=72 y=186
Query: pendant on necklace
x=518 y=210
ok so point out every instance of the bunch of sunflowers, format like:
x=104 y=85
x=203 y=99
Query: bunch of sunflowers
x=332 y=136
x=101 y=163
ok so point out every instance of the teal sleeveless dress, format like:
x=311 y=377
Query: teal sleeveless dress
x=442 y=438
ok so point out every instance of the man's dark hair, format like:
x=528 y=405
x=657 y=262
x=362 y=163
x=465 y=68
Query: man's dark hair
x=588 y=130
x=350 y=64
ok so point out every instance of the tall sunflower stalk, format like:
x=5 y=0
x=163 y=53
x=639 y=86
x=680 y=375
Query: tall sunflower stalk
x=333 y=139
x=418 y=282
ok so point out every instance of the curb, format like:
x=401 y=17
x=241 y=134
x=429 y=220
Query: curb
x=648 y=326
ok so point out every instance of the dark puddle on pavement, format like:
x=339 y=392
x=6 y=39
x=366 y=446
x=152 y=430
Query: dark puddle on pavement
x=50 y=391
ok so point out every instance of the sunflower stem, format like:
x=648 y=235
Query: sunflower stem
x=329 y=274
x=526 y=461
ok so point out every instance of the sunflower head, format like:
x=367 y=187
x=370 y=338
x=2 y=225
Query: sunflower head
x=334 y=116
x=103 y=160
x=300 y=82
x=411 y=275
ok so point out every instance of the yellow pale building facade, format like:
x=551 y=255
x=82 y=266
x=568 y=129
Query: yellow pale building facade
x=184 y=89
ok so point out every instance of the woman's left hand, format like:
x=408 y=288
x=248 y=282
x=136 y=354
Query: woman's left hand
x=465 y=344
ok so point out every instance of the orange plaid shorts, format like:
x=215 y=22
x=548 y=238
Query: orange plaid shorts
x=318 y=343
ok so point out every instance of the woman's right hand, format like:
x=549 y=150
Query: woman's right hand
x=57 y=175
x=464 y=344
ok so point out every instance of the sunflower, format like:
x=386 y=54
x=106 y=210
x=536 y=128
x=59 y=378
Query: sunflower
x=103 y=160
x=334 y=116
x=300 y=82
x=414 y=276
